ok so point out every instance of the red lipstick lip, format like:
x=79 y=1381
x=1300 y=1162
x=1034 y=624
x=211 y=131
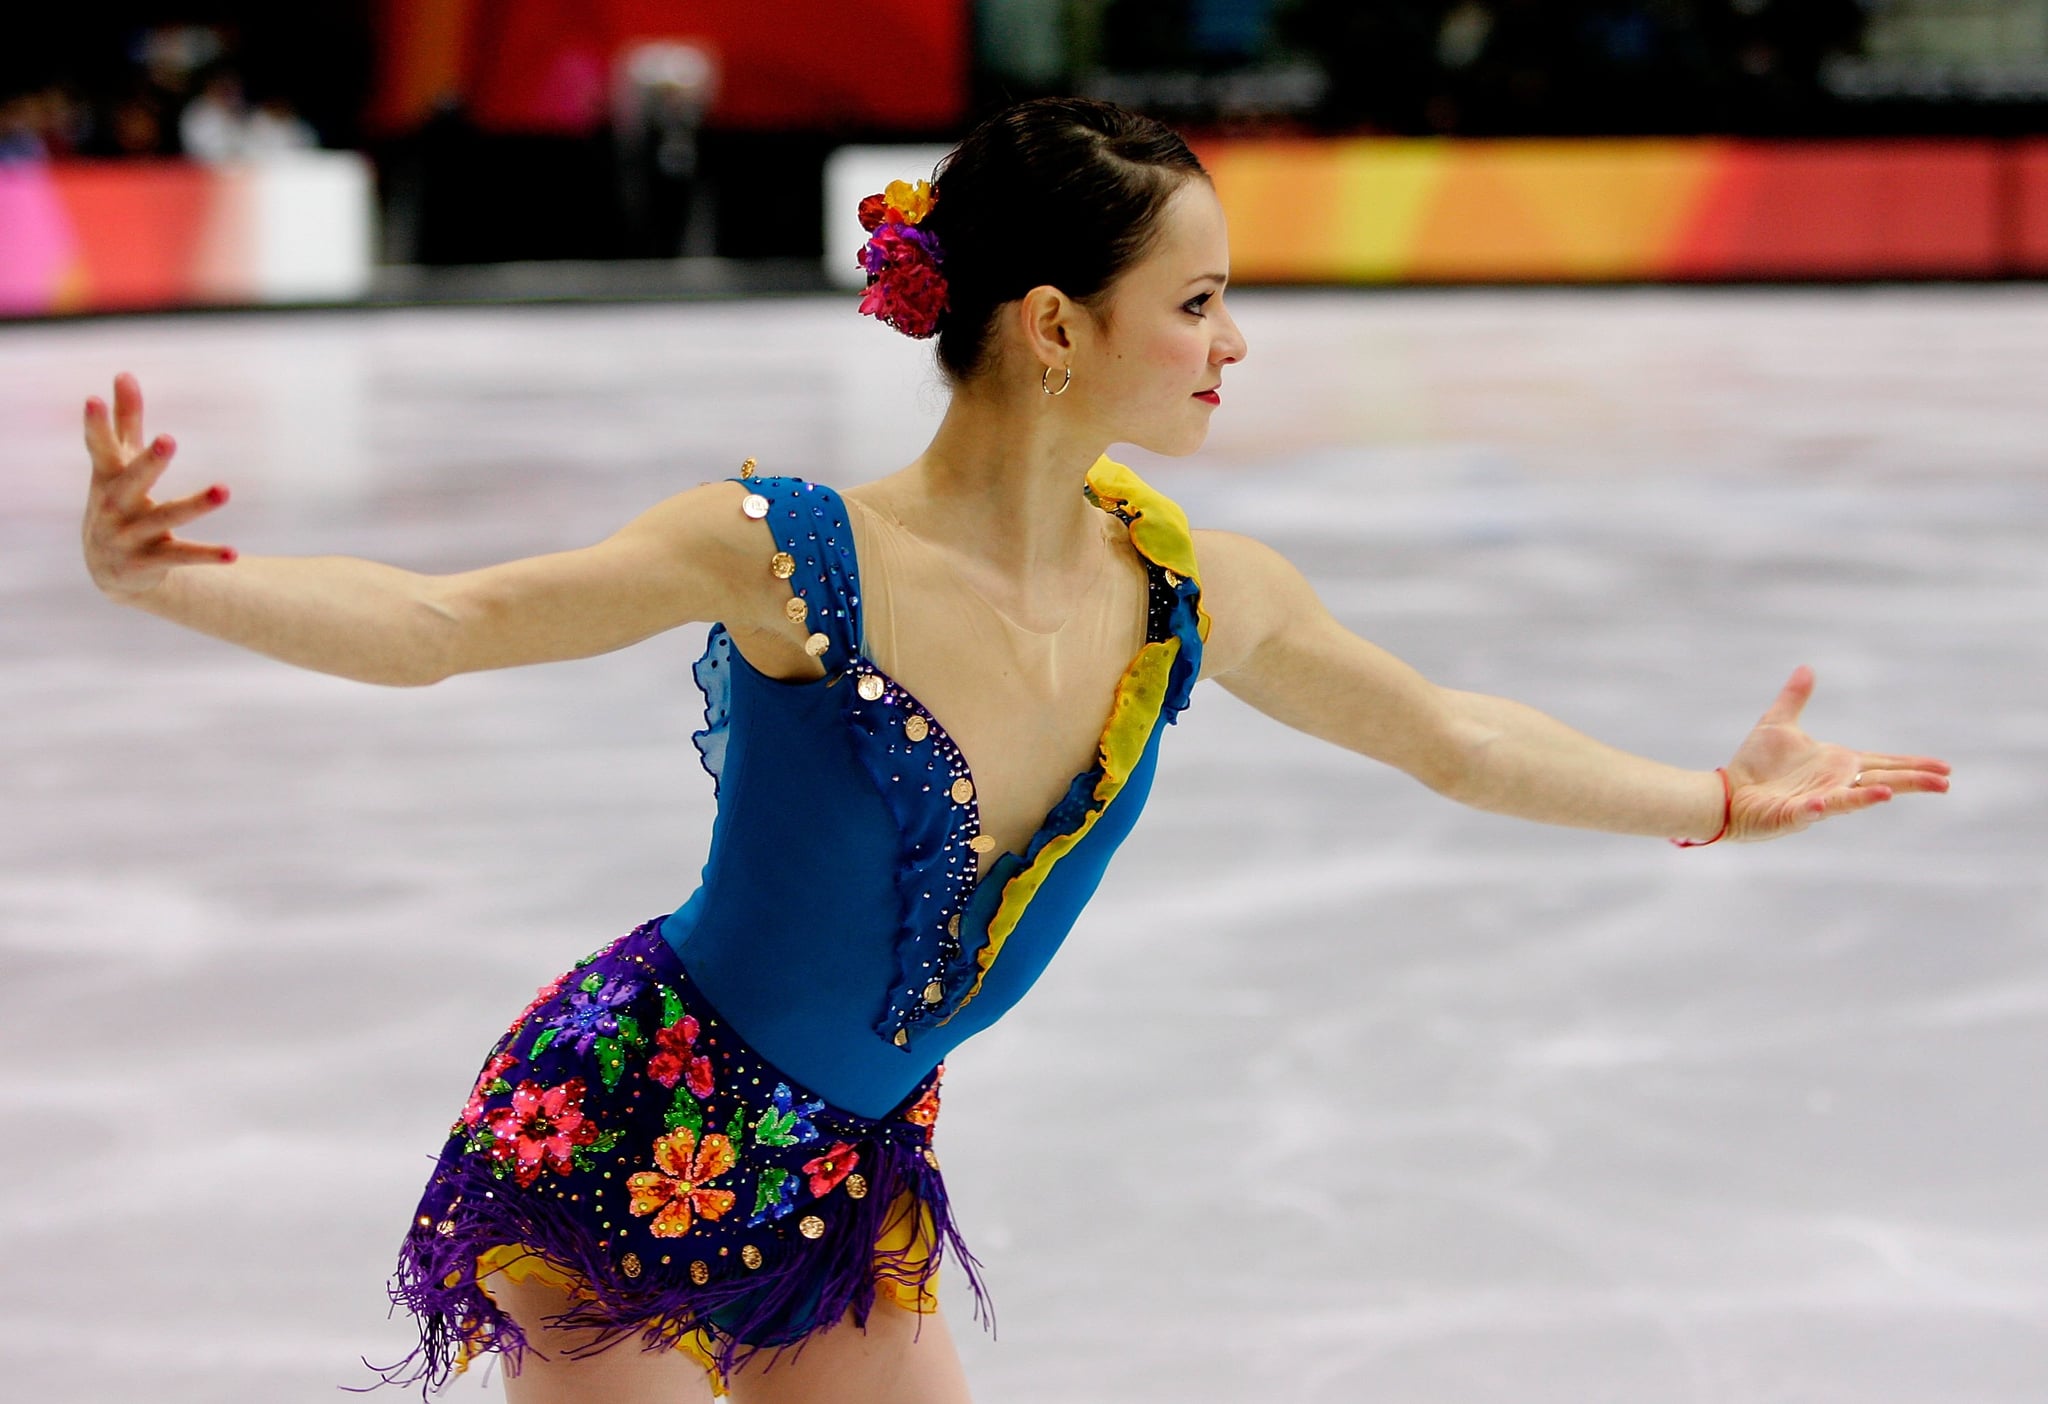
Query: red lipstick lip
x=1210 y=395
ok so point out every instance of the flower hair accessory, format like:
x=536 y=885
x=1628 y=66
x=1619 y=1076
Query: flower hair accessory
x=906 y=287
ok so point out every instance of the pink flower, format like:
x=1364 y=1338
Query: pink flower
x=908 y=297
x=500 y=1064
x=545 y=993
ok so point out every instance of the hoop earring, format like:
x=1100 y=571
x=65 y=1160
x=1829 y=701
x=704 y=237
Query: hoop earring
x=1045 y=380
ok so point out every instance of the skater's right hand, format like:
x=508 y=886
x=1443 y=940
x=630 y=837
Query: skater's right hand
x=129 y=548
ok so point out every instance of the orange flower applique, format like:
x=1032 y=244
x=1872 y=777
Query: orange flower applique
x=926 y=1111
x=677 y=1190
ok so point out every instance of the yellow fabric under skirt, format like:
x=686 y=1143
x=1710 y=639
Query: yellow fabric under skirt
x=906 y=1233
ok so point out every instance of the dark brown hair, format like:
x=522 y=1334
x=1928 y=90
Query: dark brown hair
x=1057 y=191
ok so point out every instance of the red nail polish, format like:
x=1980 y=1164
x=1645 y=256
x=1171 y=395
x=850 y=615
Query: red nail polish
x=216 y=493
x=228 y=555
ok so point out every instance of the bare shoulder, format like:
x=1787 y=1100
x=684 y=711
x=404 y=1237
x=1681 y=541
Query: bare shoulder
x=735 y=553
x=1248 y=588
x=705 y=539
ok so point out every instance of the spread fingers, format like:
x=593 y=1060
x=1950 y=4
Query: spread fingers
x=128 y=410
x=128 y=486
x=173 y=552
x=171 y=515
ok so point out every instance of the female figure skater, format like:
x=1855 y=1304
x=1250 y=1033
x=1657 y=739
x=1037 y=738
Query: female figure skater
x=933 y=707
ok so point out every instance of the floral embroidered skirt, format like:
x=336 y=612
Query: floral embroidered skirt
x=622 y=1142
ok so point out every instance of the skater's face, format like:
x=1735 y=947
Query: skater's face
x=1154 y=365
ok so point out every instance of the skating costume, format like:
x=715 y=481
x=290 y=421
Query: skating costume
x=717 y=1131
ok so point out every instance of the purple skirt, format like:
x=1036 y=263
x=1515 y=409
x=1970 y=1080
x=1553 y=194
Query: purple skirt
x=621 y=1133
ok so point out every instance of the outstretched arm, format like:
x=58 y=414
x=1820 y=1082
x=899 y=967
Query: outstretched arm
x=678 y=562
x=1273 y=644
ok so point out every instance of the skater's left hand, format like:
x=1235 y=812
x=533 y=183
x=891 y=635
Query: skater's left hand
x=1784 y=780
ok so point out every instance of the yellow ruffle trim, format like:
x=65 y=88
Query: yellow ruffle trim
x=1160 y=533
x=905 y=1232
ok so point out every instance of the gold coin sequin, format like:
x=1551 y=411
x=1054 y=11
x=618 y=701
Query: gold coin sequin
x=963 y=790
x=446 y=1228
x=630 y=1265
x=869 y=686
x=1172 y=581
x=783 y=564
x=902 y=1037
x=934 y=992
x=811 y=1226
x=816 y=645
x=750 y=1255
x=916 y=728
x=931 y=1157
x=981 y=843
x=700 y=1272
x=747 y=469
x=754 y=505
x=796 y=609
x=953 y=926
x=856 y=1187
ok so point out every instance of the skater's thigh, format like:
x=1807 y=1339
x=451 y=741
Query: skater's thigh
x=902 y=1358
x=623 y=1374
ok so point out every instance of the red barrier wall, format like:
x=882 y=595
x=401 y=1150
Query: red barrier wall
x=542 y=66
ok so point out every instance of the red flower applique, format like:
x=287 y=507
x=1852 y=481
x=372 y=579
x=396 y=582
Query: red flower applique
x=830 y=1168
x=542 y=1129
x=676 y=1057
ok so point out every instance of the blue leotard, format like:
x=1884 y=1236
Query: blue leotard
x=839 y=927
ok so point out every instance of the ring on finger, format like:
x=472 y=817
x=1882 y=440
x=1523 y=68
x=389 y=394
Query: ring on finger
x=1856 y=780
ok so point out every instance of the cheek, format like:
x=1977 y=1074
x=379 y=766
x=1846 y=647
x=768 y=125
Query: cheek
x=1176 y=352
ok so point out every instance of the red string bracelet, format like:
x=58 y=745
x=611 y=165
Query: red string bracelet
x=1727 y=812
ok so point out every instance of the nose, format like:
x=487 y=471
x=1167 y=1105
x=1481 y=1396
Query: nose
x=1229 y=346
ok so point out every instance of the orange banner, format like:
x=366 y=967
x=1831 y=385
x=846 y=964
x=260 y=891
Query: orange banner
x=1385 y=211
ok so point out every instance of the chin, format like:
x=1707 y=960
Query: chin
x=1179 y=442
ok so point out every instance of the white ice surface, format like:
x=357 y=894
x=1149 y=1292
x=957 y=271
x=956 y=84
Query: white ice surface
x=1337 y=1093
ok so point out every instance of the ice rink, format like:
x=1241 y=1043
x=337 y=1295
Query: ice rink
x=1338 y=1093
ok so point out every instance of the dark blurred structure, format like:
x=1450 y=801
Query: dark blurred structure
x=121 y=79
x=1768 y=68
x=545 y=129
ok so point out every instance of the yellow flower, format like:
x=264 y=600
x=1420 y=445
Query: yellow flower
x=911 y=200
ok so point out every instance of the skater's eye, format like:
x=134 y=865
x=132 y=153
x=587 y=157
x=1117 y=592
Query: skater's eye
x=1193 y=306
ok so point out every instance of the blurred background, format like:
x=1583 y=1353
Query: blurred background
x=157 y=155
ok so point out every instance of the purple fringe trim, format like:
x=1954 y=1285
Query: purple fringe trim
x=839 y=1270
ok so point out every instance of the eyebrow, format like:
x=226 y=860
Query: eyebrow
x=1217 y=278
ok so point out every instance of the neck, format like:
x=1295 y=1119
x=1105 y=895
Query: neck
x=1002 y=480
